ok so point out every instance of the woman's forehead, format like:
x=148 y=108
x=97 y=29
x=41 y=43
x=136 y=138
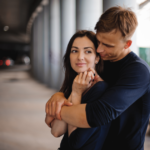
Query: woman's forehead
x=82 y=41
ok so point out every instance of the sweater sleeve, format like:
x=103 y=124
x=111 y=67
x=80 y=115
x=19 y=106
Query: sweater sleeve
x=95 y=92
x=131 y=85
x=81 y=135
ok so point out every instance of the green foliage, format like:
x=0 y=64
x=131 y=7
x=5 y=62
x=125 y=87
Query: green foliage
x=144 y=53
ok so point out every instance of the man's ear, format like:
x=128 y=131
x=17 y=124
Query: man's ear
x=128 y=44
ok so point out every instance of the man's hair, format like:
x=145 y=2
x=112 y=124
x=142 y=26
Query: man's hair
x=118 y=18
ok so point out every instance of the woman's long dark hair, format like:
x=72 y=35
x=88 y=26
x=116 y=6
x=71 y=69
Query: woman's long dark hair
x=70 y=74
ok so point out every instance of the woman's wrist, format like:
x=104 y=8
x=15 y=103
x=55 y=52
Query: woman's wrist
x=76 y=98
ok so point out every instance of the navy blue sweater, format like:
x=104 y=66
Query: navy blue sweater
x=87 y=138
x=126 y=103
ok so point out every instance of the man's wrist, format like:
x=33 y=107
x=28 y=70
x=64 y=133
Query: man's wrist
x=60 y=93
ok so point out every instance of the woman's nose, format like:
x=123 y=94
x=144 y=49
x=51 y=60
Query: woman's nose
x=80 y=56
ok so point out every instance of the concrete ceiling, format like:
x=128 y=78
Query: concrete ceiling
x=15 y=14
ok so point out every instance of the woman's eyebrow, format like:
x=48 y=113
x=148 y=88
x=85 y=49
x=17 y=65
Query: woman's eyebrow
x=74 y=47
x=88 y=47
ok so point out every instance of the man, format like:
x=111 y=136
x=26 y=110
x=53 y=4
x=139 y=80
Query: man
x=126 y=103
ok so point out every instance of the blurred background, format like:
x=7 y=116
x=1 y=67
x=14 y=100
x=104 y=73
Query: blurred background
x=33 y=38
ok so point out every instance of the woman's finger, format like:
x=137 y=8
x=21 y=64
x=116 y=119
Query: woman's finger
x=84 y=76
x=92 y=76
x=76 y=78
x=89 y=77
x=91 y=69
x=80 y=77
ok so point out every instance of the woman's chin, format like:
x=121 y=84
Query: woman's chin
x=81 y=70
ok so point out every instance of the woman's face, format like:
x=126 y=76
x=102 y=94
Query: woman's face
x=83 y=55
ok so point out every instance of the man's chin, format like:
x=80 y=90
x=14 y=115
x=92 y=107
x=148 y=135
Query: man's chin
x=104 y=58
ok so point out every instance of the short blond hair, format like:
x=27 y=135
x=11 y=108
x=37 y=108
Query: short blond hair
x=118 y=18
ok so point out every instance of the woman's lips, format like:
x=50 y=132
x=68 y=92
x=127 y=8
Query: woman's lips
x=80 y=64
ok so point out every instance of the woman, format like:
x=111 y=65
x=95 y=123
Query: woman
x=80 y=56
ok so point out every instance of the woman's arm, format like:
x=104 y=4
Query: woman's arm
x=59 y=127
x=77 y=91
x=75 y=99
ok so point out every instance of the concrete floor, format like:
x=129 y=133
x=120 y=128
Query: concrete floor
x=22 y=113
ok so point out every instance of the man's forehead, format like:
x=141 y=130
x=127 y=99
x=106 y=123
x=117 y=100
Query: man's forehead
x=105 y=38
x=100 y=35
x=112 y=35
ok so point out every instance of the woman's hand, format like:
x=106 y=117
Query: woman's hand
x=97 y=78
x=82 y=82
x=49 y=120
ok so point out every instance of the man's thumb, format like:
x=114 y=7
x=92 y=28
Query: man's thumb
x=67 y=103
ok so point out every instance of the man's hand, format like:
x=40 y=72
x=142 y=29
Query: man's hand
x=54 y=105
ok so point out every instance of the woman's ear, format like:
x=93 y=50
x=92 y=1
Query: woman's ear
x=97 y=59
x=128 y=44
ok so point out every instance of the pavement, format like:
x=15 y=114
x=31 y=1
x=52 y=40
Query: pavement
x=22 y=112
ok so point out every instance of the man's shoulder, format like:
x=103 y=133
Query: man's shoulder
x=135 y=62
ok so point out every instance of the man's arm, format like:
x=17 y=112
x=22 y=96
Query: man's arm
x=75 y=115
x=54 y=104
x=129 y=88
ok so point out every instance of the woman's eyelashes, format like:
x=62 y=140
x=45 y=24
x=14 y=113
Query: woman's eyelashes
x=86 y=51
x=74 y=51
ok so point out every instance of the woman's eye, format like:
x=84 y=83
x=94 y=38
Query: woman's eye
x=73 y=51
x=88 y=52
x=109 y=46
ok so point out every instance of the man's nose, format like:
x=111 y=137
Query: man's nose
x=80 y=56
x=100 y=48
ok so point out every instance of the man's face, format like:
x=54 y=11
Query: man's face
x=111 y=45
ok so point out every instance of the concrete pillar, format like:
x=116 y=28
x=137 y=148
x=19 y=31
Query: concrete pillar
x=68 y=27
x=124 y=3
x=88 y=13
x=54 y=72
x=46 y=44
x=35 y=53
x=32 y=53
x=39 y=43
